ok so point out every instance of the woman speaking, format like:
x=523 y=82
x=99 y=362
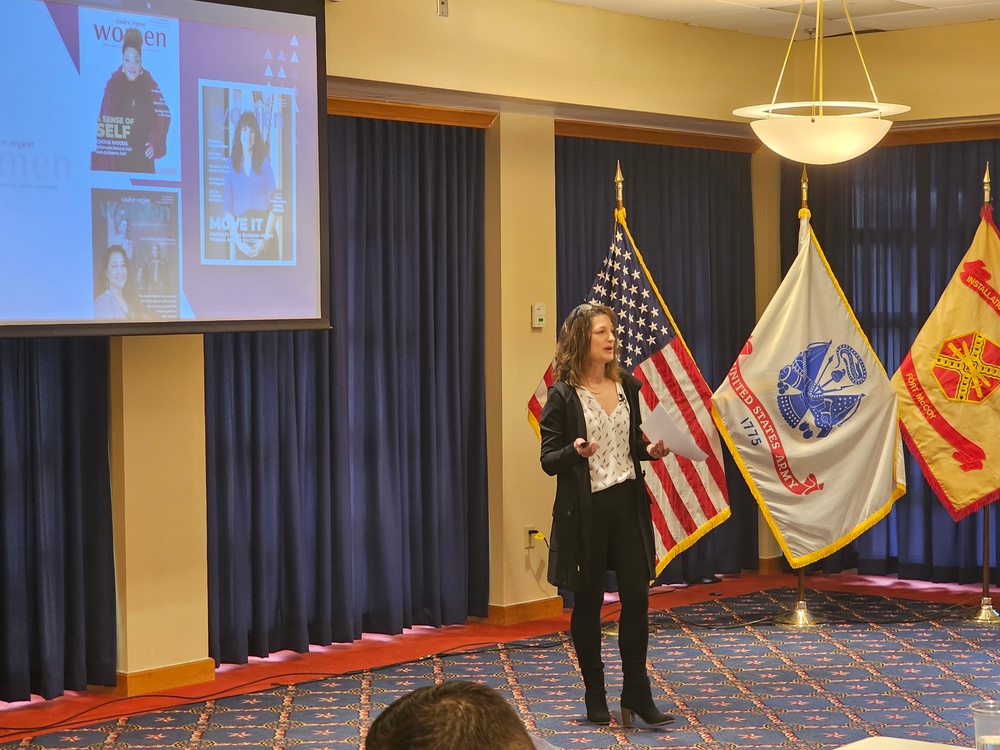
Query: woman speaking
x=592 y=444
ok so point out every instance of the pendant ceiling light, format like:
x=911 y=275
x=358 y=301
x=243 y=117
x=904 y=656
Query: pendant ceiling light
x=818 y=131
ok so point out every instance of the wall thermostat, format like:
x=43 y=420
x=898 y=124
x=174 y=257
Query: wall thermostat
x=538 y=315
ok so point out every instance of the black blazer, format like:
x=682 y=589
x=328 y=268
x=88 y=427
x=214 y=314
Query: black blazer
x=561 y=424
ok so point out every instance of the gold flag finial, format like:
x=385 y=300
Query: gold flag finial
x=619 y=181
x=804 y=182
x=986 y=185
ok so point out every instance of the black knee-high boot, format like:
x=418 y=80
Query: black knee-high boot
x=586 y=633
x=637 y=697
x=595 y=696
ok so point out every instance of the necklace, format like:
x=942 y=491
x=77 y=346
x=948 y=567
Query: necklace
x=596 y=391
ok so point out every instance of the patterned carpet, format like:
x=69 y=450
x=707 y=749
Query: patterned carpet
x=888 y=667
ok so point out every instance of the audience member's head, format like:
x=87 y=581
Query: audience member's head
x=451 y=716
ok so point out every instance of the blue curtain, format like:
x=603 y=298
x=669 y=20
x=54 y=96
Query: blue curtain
x=894 y=225
x=690 y=214
x=57 y=583
x=347 y=468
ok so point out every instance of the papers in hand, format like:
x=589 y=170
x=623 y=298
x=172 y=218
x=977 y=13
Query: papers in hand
x=659 y=426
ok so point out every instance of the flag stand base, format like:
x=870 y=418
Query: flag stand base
x=985 y=614
x=611 y=629
x=800 y=617
x=705 y=579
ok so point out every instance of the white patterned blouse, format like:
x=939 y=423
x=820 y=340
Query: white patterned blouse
x=612 y=463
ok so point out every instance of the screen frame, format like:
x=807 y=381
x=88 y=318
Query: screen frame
x=315 y=9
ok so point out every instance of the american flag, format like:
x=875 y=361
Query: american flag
x=690 y=497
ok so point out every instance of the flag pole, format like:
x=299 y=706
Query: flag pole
x=801 y=617
x=611 y=629
x=986 y=613
x=619 y=181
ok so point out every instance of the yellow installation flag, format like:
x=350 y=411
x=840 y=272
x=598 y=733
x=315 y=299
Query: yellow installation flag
x=810 y=416
x=946 y=384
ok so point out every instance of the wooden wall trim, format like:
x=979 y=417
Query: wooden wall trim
x=655 y=136
x=469 y=118
x=900 y=135
x=162 y=678
x=768 y=566
x=526 y=612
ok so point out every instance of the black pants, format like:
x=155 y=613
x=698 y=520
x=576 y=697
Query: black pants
x=615 y=544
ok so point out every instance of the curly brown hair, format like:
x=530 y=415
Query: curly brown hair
x=574 y=344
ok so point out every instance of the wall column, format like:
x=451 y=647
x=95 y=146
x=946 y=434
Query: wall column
x=765 y=177
x=520 y=270
x=157 y=445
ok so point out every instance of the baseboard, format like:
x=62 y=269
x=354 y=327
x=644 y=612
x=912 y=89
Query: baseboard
x=525 y=612
x=769 y=566
x=163 y=678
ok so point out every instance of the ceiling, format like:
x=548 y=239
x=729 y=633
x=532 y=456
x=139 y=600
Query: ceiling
x=777 y=17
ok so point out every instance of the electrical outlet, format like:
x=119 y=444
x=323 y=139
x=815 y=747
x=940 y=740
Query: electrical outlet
x=442 y=7
x=529 y=536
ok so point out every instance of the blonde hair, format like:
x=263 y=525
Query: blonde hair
x=573 y=348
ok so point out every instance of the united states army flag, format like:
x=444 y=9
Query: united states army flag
x=947 y=382
x=810 y=416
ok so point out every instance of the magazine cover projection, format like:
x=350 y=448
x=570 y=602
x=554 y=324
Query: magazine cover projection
x=247 y=153
x=145 y=176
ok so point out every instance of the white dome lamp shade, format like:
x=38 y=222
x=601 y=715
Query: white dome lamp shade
x=818 y=131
